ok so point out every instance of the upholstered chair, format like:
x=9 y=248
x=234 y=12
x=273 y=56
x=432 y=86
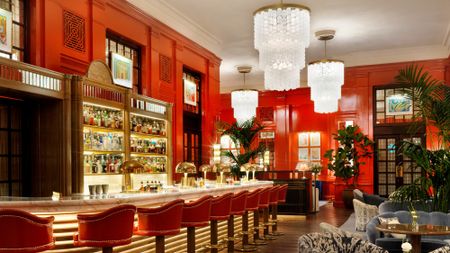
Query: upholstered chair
x=327 y=242
x=21 y=231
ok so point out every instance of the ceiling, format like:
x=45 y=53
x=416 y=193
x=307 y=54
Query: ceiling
x=367 y=31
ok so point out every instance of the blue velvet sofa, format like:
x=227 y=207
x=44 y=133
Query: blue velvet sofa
x=393 y=206
x=393 y=245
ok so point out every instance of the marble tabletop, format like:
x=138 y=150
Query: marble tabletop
x=86 y=203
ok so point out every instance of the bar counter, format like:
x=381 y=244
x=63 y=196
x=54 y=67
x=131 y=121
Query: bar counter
x=66 y=208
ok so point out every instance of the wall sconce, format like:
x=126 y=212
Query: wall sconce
x=216 y=153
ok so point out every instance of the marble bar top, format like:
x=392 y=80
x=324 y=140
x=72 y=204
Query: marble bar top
x=84 y=203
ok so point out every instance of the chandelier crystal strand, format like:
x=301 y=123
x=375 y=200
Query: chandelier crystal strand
x=282 y=32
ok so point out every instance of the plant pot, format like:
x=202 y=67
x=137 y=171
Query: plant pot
x=347 y=197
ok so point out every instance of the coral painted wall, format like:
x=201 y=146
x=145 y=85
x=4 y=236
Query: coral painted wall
x=48 y=50
x=294 y=112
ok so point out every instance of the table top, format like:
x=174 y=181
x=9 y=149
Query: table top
x=425 y=229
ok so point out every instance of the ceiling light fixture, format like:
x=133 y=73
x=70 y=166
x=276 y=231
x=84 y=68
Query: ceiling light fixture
x=244 y=101
x=325 y=77
x=281 y=37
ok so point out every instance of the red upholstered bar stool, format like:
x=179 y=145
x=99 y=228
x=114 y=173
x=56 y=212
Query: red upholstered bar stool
x=238 y=203
x=160 y=222
x=264 y=206
x=263 y=196
x=113 y=227
x=250 y=206
x=21 y=231
x=220 y=210
x=273 y=202
x=282 y=190
x=195 y=214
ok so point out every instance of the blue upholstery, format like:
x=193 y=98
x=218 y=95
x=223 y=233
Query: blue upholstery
x=393 y=206
x=392 y=244
x=372 y=199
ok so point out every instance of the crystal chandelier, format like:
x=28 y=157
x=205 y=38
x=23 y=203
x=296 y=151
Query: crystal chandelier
x=244 y=101
x=281 y=36
x=325 y=77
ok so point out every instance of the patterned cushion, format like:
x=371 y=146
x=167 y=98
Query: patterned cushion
x=327 y=242
x=363 y=214
x=445 y=249
x=391 y=220
x=328 y=228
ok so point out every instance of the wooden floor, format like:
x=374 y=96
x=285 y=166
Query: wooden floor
x=294 y=226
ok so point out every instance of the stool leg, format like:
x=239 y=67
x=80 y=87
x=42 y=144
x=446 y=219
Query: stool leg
x=275 y=221
x=160 y=245
x=214 y=236
x=191 y=240
x=256 y=240
x=107 y=250
x=266 y=224
x=230 y=244
x=244 y=246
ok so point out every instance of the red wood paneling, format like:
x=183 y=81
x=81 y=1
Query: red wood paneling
x=294 y=112
x=155 y=38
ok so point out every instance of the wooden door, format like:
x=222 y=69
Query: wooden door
x=11 y=147
x=392 y=168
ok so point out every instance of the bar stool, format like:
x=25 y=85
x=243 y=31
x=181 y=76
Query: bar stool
x=113 y=227
x=195 y=214
x=273 y=202
x=220 y=210
x=238 y=203
x=250 y=206
x=263 y=195
x=264 y=206
x=282 y=190
x=160 y=222
x=22 y=231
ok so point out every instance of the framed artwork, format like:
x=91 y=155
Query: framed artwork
x=314 y=139
x=5 y=30
x=398 y=105
x=315 y=154
x=122 y=70
x=303 y=154
x=190 y=92
x=303 y=139
x=344 y=124
x=267 y=135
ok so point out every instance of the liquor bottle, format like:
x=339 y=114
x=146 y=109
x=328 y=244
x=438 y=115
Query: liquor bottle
x=103 y=164
x=142 y=188
x=99 y=166
x=87 y=165
x=147 y=188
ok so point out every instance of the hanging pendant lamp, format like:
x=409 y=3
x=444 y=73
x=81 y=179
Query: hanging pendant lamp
x=281 y=37
x=325 y=77
x=244 y=101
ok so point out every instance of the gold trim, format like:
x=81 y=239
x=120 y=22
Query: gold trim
x=325 y=60
x=282 y=6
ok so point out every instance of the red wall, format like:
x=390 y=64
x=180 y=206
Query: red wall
x=155 y=38
x=294 y=112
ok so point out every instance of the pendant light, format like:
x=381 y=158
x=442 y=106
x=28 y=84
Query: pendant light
x=325 y=77
x=244 y=101
x=281 y=37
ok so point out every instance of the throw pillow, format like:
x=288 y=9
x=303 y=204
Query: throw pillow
x=392 y=220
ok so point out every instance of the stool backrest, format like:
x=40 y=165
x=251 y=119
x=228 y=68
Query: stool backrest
x=197 y=213
x=253 y=200
x=274 y=194
x=109 y=228
x=21 y=231
x=163 y=220
x=238 y=203
x=221 y=207
x=282 y=193
x=264 y=197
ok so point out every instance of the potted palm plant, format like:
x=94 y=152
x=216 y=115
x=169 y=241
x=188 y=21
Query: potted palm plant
x=243 y=136
x=345 y=161
x=432 y=98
